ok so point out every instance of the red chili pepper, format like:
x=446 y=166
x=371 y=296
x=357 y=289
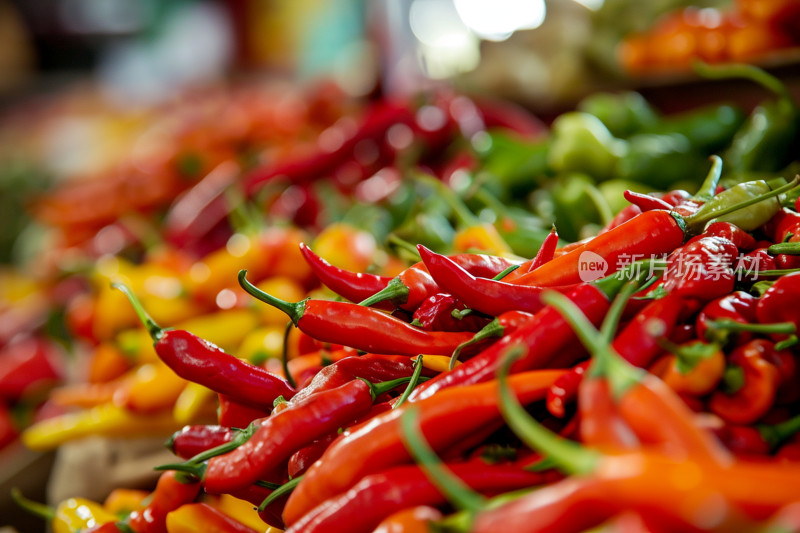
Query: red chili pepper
x=504 y=324
x=379 y=495
x=191 y=440
x=650 y=234
x=360 y=327
x=442 y=312
x=199 y=361
x=545 y=254
x=172 y=490
x=303 y=458
x=627 y=213
x=645 y=202
x=701 y=269
x=738 y=306
x=354 y=286
x=731 y=232
x=758 y=260
x=445 y=419
x=760 y=439
x=374 y=368
x=414 y=285
x=488 y=296
x=779 y=302
x=283 y=433
x=755 y=394
x=693 y=369
x=232 y=413
x=27 y=364
x=637 y=343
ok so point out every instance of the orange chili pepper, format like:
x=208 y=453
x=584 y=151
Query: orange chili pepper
x=412 y=520
x=124 y=501
x=694 y=368
x=107 y=362
x=154 y=387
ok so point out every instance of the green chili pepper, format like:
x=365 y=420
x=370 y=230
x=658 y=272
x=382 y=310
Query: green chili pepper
x=661 y=160
x=622 y=113
x=756 y=215
x=582 y=143
x=708 y=129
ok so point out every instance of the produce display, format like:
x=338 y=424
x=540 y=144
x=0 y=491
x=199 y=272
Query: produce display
x=432 y=315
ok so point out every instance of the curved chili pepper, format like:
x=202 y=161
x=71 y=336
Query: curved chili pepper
x=649 y=234
x=627 y=213
x=445 y=419
x=194 y=517
x=443 y=312
x=751 y=399
x=283 y=433
x=410 y=520
x=504 y=324
x=637 y=343
x=72 y=514
x=360 y=327
x=481 y=294
x=645 y=202
x=701 y=269
x=354 y=286
x=379 y=495
x=173 y=490
x=546 y=253
x=191 y=440
x=199 y=361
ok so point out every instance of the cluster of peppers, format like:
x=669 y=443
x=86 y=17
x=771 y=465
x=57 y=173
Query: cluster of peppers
x=687 y=399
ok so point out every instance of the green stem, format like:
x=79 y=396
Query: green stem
x=464 y=216
x=403 y=245
x=709 y=187
x=748 y=72
x=777 y=434
x=415 y=376
x=599 y=202
x=396 y=292
x=197 y=470
x=45 y=512
x=637 y=272
x=732 y=325
x=732 y=379
x=459 y=314
x=505 y=272
x=285 y=355
x=689 y=355
x=240 y=438
x=606 y=362
x=155 y=331
x=267 y=484
x=570 y=456
x=609 y=326
x=376 y=389
x=694 y=224
x=286 y=488
x=440 y=476
x=293 y=310
x=788 y=248
x=492 y=329
x=787 y=343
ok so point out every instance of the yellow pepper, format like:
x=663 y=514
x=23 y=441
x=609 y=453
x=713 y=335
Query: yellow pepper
x=241 y=509
x=154 y=387
x=346 y=247
x=262 y=344
x=106 y=420
x=201 y=518
x=122 y=501
x=69 y=516
x=437 y=363
x=281 y=287
x=193 y=403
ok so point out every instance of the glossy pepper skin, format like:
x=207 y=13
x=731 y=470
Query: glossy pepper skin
x=203 y=518
x=172 y=491
x=437 y=313
x=738 y=306
x=281 y=434
x=191 y=440
x=701 y=269
x=377 y=496
x=378 y=445
x=779 y=302
x=482 y=294
x=354 y=286
x=750 y=401
x=360 y=327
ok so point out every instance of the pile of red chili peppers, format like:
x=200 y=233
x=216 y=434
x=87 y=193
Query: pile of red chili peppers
x=645 y=379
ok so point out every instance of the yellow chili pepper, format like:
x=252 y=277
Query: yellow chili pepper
x=201 y=518
x=122 y=501
x=346 y=247
x=437 y=363
x=262 y=344
x=106 y=420
x=193 y=403
x=69 y=516
x=154 y=387
x=241 y=509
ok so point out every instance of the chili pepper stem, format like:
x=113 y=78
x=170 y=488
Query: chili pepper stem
x=788 y=248
x=452 y=487
x=776 y=434
x=267 y=484
x=709 y=186
x=293 y=310
x=637 y=272
x=788 y=343
x=241 y=437
x=732 y=325
x=376 y=389
x=748 y=72
x=505 y=272
x=694 y=224
x=570 y=456
x=415 y=376
x=492 y=329
x=396 y=292
x=197 y=470
x=285 y=355
x=609 y=326
x=154 y=330
x=606 y=362
x=286 y=488
x=41 y=510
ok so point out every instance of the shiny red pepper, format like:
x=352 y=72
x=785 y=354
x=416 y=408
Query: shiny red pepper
x=440 y=312
x=235 y=414
x=755 y=395
x=191 y=440
x=546 y=253
x=172 y=490
x=701 y=269
x=354 y=286
x=779 y=302
x=738 y=306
